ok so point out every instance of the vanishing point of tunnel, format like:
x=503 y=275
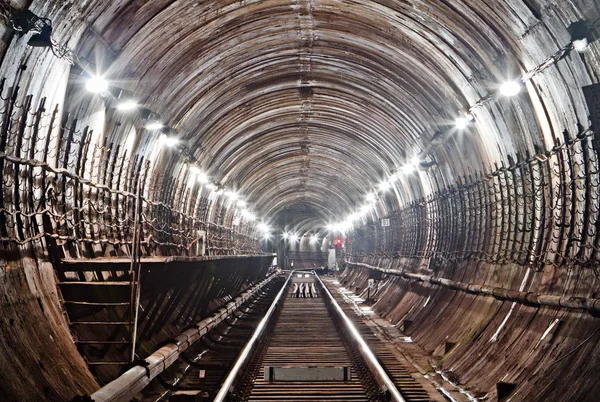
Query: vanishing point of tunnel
x=300 y=200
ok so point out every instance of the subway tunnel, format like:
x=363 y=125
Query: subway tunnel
x=156 y=156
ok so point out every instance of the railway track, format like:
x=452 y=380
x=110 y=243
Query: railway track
x=291 y=343
x=201 y=370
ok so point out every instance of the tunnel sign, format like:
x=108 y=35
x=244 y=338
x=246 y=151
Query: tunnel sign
x=385 y=222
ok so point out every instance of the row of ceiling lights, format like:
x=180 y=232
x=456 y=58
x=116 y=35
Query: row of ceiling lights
x=97 y=84
x=581 y=34
x=580 y=39
x=26 y=21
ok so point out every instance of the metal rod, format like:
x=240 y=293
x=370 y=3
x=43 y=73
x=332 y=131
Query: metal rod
x=380 y=375
x=225 y=388
x=135 y=273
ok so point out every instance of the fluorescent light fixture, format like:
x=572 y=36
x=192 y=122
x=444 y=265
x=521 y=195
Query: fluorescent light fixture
x=286 y=235
x=154 y=125
x=171 y=141
x=294 y=237
x=354 y=217
x=371 y=197
x=202 y=177
x=248 y=215
x=408 y=169
x=314 y=239
x=242 y=204
x=462 y=122
x=96 y=84
x=233 y=195
x=127 y=105
x=345 y=226
x=263 y=227
x=384 y=186
x=510 y=88
x=581 y=45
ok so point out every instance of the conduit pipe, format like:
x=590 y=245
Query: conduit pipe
x=130 y=383
x=580 y=303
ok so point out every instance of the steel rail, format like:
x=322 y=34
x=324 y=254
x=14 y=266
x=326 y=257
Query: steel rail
x=233 y=374
x=384 y=381
x=130 y=383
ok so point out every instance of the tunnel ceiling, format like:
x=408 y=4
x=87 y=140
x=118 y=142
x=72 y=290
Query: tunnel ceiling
x=315 y=102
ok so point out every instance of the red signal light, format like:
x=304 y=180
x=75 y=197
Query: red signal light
x=338 y=241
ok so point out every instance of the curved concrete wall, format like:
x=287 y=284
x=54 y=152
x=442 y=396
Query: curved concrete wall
x=313 y=103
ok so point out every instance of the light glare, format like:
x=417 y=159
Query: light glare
x=462 y=123
x=154 y=125
x=581 y=45
x=127 y=105
x=384 y=186
x=510 y=88
x=171 y=141
x=202 y=177
x=96 y=84
x=248 y=215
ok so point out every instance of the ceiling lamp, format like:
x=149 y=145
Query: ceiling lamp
x=463 y=122
x=384 y=186
x=96 y=84
x=579 y=31
x=510 y=88
x=202 y=178
x=171 y=141
x=127 y=105
x=233 y=195
x=168 y=141
x=154 y=125
x=248 y=215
